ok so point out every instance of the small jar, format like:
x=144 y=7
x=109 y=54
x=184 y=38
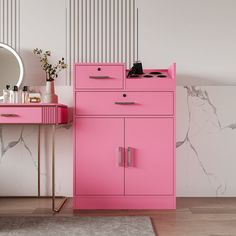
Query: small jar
x=6 y=94
x=25 y=95
x=14 y=95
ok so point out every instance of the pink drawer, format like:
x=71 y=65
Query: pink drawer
x=33 y=114
x=20 y=115
x=99 y=76
x=124 y=103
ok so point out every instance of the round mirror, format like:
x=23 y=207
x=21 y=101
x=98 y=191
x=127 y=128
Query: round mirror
x=11 y=68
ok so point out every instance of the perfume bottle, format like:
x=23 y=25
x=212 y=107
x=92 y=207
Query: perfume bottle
x=6 y=94
x=25 y=95
x=14 y=95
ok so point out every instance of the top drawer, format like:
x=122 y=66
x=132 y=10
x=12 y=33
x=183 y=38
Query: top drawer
x=99 y=76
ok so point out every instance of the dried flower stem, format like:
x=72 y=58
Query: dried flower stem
x=51 y=70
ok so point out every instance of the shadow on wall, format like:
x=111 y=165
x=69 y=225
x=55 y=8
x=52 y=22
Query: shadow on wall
x=188 y=79
x=33 y=73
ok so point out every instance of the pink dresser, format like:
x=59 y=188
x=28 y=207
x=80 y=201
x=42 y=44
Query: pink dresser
x=124 y=138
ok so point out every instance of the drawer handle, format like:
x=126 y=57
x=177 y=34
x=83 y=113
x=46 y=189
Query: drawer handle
x=99 y=77
x=124 y=103
x=9 y=115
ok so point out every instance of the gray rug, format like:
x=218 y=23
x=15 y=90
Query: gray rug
x=77 y=225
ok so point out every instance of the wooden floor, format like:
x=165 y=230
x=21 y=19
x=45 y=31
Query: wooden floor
x=193 y=217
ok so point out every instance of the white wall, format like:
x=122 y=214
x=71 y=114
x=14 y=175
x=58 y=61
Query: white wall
x=198 y=35
x=42 y=25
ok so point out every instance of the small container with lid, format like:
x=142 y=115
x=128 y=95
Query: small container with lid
x=14 y=95
x=6 y=94
x=25 y=95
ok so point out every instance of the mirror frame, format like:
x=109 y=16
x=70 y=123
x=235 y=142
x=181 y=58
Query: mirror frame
x=19 y=82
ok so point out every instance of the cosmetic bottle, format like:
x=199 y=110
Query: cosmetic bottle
x=6 y=94
x=25 y=95
x=14 y=95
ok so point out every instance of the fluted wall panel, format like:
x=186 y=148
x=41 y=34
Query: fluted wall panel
x=10 y=23
x=101 y=31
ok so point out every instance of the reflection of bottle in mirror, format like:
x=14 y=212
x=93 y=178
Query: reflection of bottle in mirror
x=25 y=95
x=14 y=96
x=6 y=94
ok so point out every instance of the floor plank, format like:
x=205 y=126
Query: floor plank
x=193 y=216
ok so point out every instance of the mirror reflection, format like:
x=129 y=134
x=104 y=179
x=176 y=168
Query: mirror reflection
x=11 y=68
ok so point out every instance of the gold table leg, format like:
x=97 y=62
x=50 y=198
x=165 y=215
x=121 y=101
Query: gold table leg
x=54 y=208
x=39 y=161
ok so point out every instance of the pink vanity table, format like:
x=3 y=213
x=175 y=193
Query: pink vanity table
x=124 y=138
x=37 y=114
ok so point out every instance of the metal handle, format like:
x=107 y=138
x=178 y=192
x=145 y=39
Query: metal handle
x=129 y=161
x=120 y=157
x=124 y=103
x=99 y=77
x=9 y=115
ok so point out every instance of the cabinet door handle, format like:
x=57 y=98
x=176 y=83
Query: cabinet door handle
x=124 y=103
x=9 y=115
x=99 y=77
x=129 y=160
x=120 y=159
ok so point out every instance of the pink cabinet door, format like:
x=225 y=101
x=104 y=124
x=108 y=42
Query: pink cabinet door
x=98 y=156
x=149 y=144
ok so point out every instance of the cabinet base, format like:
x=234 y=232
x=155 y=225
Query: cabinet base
x=124 y=202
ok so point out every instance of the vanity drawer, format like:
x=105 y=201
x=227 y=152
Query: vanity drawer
x=99 y=76
x=33 y=114
x=124 y=103
x=20 y=115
